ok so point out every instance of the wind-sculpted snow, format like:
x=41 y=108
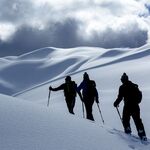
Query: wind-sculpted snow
x=113 y=53
x=47 y=64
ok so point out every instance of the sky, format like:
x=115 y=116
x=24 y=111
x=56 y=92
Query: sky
x=26 y=25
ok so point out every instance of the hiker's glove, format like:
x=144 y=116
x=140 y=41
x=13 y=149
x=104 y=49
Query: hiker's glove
x=97 y=101
x=116 y=104
x=50 y=88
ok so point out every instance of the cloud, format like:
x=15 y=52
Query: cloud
x=15 y=11
x=28 y=24
x=132 y=38
x=148 y=7
x=28 y=38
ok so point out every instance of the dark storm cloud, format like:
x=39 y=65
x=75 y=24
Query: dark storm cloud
x=66 y=35
x=126 y=38
x=27 y=38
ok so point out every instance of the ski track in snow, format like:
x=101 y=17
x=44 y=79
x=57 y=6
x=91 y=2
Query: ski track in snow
x=132 y=141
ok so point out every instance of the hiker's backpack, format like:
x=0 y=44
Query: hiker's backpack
x=70 y=89
x=91 y=88
x=136 y=93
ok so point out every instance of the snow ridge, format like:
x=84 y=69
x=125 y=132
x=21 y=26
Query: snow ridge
x=47 y=64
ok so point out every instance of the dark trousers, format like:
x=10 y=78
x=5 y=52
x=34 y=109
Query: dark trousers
x=70 y=101
x=133 y=112
x=88 y=102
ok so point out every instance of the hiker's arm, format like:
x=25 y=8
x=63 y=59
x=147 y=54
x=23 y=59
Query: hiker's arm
x=80 y=87
x=61 y=87
x=96 y=96
x=79 y=91
x=119 y=98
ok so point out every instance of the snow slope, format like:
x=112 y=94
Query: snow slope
x=26 y=122
x=29 y=126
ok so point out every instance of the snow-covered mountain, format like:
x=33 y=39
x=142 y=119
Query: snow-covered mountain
x=27 y=123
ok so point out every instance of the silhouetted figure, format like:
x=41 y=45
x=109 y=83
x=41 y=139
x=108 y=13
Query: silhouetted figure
x=131 y=95
x=89 y=94
x=70 y=88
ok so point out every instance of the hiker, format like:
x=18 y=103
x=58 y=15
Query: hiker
x=131 y=95
x=89 y=94
x=69 y=88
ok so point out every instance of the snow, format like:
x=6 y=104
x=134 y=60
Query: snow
x=26 y=123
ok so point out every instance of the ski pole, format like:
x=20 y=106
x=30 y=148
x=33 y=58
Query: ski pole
x=79 y=93
x=83 y=109
x=119 y=114
x=100 y=113
x=48 y=98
